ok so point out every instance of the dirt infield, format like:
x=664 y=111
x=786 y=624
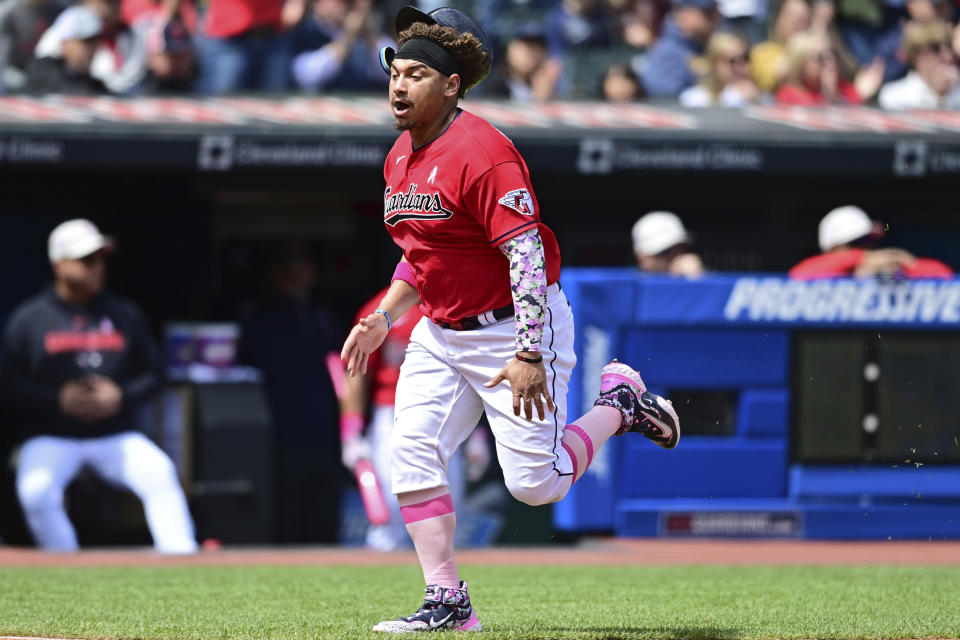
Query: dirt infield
x=596 y=552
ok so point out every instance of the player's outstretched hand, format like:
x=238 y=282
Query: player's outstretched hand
x=529 y=385
x=365 y=337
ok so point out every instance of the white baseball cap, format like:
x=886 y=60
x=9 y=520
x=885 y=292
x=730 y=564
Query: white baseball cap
x=843 y=225
x=73 y=23
x=75 y=239
x=657 y=231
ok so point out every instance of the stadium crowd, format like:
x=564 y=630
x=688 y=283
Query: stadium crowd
x=899 y=54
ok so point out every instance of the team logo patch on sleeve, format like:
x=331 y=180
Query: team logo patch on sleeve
x=519 y=200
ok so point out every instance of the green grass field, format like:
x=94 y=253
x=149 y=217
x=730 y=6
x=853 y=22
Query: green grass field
x=306 y=603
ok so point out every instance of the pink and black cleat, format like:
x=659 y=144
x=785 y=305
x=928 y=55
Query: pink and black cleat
x=646 y=413
x=443 y=609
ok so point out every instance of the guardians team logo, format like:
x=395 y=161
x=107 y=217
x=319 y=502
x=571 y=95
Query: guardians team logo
x=519 y=200
x=412 y=205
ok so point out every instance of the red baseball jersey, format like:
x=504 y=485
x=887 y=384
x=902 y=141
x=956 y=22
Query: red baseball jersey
x=384 y=364
x=449 y=204
x=226 y=18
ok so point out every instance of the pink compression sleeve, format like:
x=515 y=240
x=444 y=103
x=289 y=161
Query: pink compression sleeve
x=404 y=272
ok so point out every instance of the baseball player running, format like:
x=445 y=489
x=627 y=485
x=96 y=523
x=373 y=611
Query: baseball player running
x=459 y=203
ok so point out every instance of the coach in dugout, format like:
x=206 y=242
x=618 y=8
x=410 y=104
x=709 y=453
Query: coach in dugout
x=848 y=239
x=77 y=365
x=661 y=244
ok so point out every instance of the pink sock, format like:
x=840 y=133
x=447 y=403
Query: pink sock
x=584 y=438
x=431 y=522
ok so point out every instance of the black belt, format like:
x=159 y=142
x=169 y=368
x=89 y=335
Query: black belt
x=484 y=319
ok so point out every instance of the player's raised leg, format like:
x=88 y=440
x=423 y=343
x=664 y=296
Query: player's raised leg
x=643 y=412
x=541 y=459
x=623 y=405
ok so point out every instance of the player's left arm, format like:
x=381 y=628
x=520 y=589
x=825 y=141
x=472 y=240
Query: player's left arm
x=528 y=284
x=504 y=203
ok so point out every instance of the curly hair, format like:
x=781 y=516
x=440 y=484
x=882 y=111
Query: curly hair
x=465 y=48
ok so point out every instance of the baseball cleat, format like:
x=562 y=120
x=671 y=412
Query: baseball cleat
x=443 y=609
x=646 y=413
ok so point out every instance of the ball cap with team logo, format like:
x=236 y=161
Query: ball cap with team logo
x=446 y=17
x=75 y=239
x=846 y=225
x=658 y=231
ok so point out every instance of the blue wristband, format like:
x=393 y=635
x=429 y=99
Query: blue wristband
x=386 y=314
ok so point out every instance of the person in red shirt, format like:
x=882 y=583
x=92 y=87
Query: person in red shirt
x=484 y=270
x=248 y=45
x=814 y=77
x=847 y=235
x=133 y=11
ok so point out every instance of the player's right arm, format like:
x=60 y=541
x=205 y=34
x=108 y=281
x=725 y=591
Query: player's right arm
x=368 y=334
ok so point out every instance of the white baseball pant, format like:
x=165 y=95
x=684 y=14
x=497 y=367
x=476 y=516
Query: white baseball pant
x=440 y=398
x=48 y=464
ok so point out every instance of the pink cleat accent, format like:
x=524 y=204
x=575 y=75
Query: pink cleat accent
x=646 y=413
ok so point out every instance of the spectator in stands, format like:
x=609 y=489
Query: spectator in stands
x=768 y=60
x=667 y=68
x=728 y=82
x=528 y=73
x=577 y=24
x=120 y=61
x=22 y=22
x=867 y=40
x=246 y=45
x=874 y=28
x=170 y=55
x=78 y=364
x=64 y=54
x=661 y=244
x=823 y=20
x=847 y=238
x=638 y=22
x=620 y=84
x=164 y=29
x=337 y=47
x=134 y=11
x=934 y=80
x=745 y=18
x=814 y=76
x=499 y=18
x=288 y=337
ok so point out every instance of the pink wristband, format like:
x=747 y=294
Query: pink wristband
x=404 y=272
x=351 y=425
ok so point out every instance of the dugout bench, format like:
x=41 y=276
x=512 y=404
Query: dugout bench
x=825 y=409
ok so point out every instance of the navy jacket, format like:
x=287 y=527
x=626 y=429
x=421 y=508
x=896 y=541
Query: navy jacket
x=48 y=342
